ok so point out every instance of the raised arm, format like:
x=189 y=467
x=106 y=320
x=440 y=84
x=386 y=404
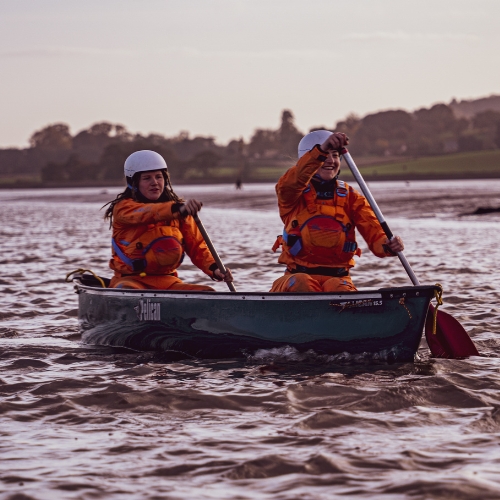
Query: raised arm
x=294 y=181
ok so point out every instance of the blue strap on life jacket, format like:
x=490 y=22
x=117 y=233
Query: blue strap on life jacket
x=350 y=246
x=296 y=247
x=134 y=264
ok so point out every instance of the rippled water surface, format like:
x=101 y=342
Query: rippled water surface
x=85 y=422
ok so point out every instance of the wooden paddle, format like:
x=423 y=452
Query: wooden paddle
x=449 y=340
x=213 y=251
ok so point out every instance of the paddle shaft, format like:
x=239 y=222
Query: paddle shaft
x=213 y=251
x=371 y=200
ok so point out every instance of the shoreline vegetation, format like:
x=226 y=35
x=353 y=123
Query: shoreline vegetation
x=460 y=140
x=470 y=165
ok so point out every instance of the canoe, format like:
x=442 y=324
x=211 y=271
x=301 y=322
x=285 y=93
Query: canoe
x=386 y=321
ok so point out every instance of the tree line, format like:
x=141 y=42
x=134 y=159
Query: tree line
x=97 y=154
x=425 y=132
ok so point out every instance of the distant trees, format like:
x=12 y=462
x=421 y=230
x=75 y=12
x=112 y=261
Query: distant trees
x=81 y=159
x=89 y=144
x=288 y=135
x=433 y=131
x=97 y=154
x=71 y=170
x=283 y=142
x=108 y=168
x=487 y=125
x=204 y=162
x=114 y=156
x=51 y=144
x=52 y=138
x=382 y=133
x=349 y=126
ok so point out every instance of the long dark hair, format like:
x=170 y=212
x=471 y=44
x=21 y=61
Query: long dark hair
x=132 y=191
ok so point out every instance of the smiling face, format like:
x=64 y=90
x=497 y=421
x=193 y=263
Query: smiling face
x=151 y=184
x=331 y=167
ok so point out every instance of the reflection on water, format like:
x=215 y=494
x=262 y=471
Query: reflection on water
x=83 y=422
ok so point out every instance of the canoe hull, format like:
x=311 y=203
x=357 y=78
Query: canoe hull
x=222 y=325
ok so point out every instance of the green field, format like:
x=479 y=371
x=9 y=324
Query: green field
x=480 y=164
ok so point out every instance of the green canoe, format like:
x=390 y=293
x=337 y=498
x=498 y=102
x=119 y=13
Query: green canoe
x=388 y=321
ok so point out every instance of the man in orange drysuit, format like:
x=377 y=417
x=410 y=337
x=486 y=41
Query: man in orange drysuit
x=320 y=213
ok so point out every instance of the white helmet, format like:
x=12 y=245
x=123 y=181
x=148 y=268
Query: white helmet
x=310 y=140
x=143 y=161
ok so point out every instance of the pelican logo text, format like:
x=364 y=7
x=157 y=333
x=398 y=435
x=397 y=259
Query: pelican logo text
x=148 y=311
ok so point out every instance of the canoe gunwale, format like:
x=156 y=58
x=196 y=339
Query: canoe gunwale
x=388 y=292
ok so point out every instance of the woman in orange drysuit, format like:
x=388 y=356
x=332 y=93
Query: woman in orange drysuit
x=320 y=213
x=153 y=228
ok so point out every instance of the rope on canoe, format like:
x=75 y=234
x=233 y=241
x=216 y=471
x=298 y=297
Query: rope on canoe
x=402 y=302
x=438 y=295
x=81 y=271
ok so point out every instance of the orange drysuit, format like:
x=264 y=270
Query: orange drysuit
x=149 y=242
x=318 y=242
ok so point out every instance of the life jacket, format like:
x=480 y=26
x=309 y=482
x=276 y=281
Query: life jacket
x=158 y=250
x=322 y=232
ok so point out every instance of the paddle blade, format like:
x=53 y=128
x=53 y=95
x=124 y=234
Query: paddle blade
x=450 y=340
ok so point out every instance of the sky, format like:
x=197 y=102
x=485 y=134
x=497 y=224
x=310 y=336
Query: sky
x=223 y=68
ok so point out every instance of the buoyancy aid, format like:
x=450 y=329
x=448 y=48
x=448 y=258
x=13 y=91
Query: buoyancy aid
x=158 y=250
x=322 y=233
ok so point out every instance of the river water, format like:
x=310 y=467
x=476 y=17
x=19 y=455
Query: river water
x=83 y=422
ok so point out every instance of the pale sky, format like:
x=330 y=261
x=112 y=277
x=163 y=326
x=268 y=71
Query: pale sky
x=223 y=68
